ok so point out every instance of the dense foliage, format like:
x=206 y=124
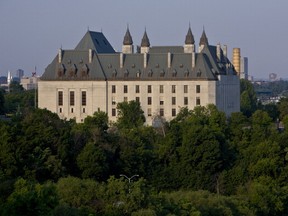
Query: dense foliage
x=204 y=164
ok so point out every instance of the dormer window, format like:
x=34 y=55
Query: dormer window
x=126 y=73
x=73 y=70
x=114 y=73
x=138 y=73
x=84 y=70
x=162 y=73
x=174 y=73
x=199 y=73
x=150 y=73
x=186 y=73
x=61 y=70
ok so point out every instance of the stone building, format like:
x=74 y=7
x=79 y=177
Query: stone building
x=163 y=79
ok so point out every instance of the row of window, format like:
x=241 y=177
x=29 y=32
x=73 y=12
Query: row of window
x=72 y=98
x=161 y=100
x=149 y=112
x=161 y=89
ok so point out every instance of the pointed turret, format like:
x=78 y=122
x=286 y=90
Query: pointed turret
x=189 y=37
x=127 y=38
x=145 y=40
x=127 y=42
x=189 y=46
x=145 y=43
x=203 y=41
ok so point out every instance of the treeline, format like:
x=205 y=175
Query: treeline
x=200 y=163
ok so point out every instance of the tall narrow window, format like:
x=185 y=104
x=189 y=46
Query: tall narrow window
x=83 y=98
x=113 y=89
x=113 y=112
x=149 y=100
x=173 y=100
x=161 y=112
x=125 y=89
x=161 y=88
x=161 y=101
x=137 y=89
x=173 y=112
x=149 y=113
x=173 y=88
x=198 y=102
x=185 y=88
x=185 y=100
x=125 y=99
x=60 y=98
x=197 y=88
x=137 y=99
x=149 y=89
x=72 y=98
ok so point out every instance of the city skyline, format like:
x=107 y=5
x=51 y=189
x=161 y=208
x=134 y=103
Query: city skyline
x=32 y=31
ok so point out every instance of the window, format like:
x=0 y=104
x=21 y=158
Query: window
x=137 y=99
x=83 y=97
x=83 y=110
x=137 y=89
x=173 y=100
x=149 y=89
x=197 y=88
x=60 y=98
x=185 y=88
x=72 y=98
x=173 y=89
x=113 y=112
x=113 y=101
x=125 y=99
x=161 y=101
x=149 y=100
x=60 y=110
x=185 y=100
x=149 y=113
x=198 y=102
x=72 y=110
x=161 y=113
x=125 y=89
x=113 y=89
x=161 y=87
x=173 y=112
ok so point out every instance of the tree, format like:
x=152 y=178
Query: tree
x=130 y=115
x=248 y=99
x=283 y=107
x=2 y=102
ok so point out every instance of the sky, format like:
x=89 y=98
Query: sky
x=32 y=31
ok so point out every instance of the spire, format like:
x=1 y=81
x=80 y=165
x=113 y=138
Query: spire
x=203 y=39
x=127 y=38
x=189 y=37
x=145 y=40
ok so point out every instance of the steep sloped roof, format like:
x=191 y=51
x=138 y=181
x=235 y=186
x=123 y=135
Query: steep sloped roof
x=95 y=41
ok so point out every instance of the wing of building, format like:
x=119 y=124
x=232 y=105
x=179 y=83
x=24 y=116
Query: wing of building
x=163 y=79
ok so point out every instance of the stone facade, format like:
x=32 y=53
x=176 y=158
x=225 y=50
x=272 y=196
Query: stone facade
x=162 y=79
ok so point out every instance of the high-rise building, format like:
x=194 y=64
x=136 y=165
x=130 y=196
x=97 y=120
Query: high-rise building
x=244 y=68
x=19 y=73
x=162 y=79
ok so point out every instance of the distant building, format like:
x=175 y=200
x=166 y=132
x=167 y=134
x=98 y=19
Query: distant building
x=244 y=68
x=3 y=80
x=29 y=83
x=19 y=74
x=163 y=79
x=9 y=78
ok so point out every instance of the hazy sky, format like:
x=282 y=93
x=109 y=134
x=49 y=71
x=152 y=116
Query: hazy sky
x=32 y=31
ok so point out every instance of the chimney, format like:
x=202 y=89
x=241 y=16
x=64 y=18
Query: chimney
x=90 y=55
x=145 y=59
x=60 y=55
x=218 y=52
x=169 y=60
x=121 y=60
x=224 y=50
x=193 y=60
